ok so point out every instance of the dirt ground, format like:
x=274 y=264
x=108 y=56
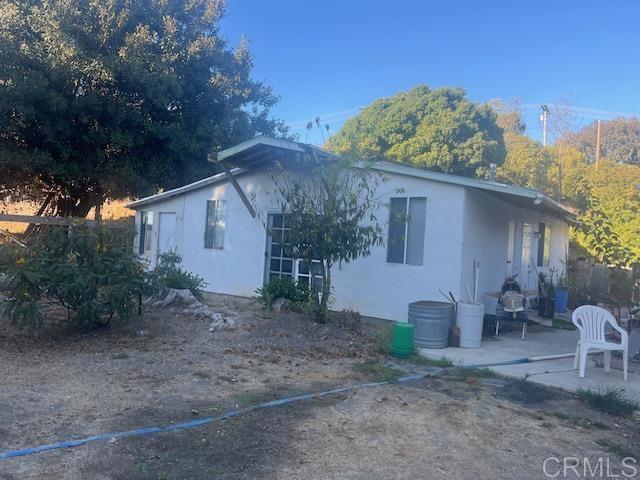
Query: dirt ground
x=162 y=368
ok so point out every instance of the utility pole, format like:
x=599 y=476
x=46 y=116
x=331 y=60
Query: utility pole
x=543 y=117
x=597 y=144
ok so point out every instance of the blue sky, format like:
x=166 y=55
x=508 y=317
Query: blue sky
x=329 y=58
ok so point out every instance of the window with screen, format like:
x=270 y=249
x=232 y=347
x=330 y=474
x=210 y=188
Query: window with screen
x=407 y=222
x=146 y=232
x=544 y=244
x=215 y=224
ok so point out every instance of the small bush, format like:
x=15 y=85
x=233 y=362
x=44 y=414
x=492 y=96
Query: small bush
x=610 y=400
x=169 y=274
x=89 y=271
x=383 y=339
x=297 y=292
x=348 y=319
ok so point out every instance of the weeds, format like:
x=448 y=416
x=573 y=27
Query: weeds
x=586 y=423
x=442 y=362
x=465 y=373
x=379 y=371
x=620 y=450
x=383 y=338
x=610 y=400
x=246 y=399
x=142 y=468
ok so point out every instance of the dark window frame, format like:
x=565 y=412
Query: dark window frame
x=146 y=232
x=406 y=237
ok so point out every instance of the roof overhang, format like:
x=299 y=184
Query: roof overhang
x=218 y=178
x=261 y=152
x=266 y=151
x=523 y=197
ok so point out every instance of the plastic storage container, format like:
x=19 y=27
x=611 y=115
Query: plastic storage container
x=469 y=321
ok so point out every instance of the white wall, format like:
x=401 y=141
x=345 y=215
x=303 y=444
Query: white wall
x=486 y=220
x=369 y=285
x=238 y=268
x=380 y=289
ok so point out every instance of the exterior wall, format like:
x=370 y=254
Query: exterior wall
x=369 y=285
x=486 y=220
x=238 y=268
x=376 y=288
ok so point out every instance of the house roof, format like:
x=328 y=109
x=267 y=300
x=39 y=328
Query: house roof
x=525 y=197
x=218 y=178
x=260 y=151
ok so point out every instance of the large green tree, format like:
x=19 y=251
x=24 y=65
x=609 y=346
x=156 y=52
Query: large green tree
x=619 y=138
x=606 y=199
x=105 y=99
x=438 y=129
x=528 y=163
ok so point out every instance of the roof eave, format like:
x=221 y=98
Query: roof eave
x=158 y=197
x=534 y=195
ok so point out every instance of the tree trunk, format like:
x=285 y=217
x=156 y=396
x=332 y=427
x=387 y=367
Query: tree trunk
x=78 y=207
x=34 y=227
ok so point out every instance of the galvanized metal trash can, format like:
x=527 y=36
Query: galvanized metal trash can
x=432 y=321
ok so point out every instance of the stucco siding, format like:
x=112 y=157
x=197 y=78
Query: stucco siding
x=237 y=268
x=486 y=227
x=462 y=224
x=377 y=288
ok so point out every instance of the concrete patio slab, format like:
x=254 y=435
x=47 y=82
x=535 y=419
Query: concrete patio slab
x=556 y=373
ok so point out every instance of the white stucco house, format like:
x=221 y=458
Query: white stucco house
x=219 y=227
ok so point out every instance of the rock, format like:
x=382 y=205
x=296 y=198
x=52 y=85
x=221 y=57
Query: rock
x=281 y=305
x=190 y=305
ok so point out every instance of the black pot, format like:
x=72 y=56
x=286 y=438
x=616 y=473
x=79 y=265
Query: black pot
x=546 y=307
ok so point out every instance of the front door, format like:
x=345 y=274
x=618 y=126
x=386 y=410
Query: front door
x=166 y=234
x=525 y=265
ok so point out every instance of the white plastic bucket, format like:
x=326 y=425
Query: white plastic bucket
x=469 y=320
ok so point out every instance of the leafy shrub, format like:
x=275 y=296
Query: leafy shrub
x=92 y=272
x=297 y=292
x=169 y=274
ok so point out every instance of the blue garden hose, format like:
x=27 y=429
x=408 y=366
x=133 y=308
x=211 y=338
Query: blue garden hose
x=234 y=413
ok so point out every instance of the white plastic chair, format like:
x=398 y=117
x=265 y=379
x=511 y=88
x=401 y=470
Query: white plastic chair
x=591 y=322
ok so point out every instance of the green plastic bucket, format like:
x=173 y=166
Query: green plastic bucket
x=402 y=344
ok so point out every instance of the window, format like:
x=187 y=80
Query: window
x=281 y=262
x=215 y=226
x=407 y=217
x=544 y=244
x=280 y=253
x=146 y=232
